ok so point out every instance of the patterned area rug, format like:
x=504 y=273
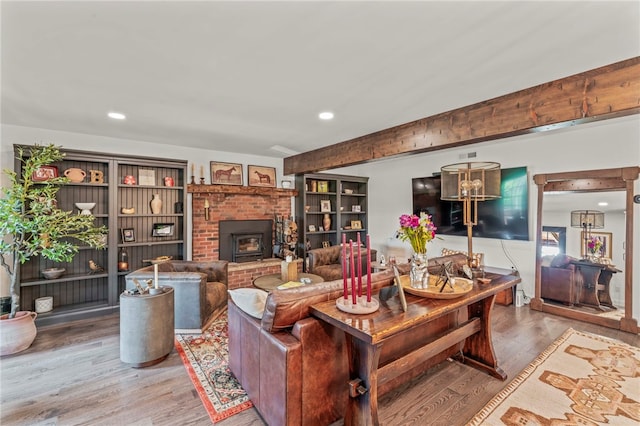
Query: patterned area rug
x=206 y=358
x=581 y=379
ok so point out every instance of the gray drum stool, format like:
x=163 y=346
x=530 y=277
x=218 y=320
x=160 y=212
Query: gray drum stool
x=146 y=327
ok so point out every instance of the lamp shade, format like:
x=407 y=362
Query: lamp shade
x=591 y=219
x=472 y=180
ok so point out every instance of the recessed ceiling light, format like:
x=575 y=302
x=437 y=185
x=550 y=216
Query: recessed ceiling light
x=603 y=203
x=326 y=115
x=117 y=115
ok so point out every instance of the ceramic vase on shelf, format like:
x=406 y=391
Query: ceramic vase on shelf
x=156 y=204
x=419 y=273
x=326 y=222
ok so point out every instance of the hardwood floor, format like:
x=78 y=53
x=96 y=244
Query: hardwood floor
x=72 y=375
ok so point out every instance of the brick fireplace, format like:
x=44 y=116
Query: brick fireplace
x=230 y=202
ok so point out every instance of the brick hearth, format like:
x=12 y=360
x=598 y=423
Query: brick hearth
x=228 y=202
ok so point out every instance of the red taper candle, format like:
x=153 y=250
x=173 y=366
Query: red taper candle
x=359 y=266
x=353 y=274
x=368 y=268
x=345 y=289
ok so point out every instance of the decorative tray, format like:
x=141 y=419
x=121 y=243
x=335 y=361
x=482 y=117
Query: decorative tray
x=461 y=286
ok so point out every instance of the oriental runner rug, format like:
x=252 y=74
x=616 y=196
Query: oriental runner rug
x=581 y=379
x=206 y=358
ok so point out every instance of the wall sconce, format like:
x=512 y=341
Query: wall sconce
x=206 y=209
x=470 y=182
x=587 y=220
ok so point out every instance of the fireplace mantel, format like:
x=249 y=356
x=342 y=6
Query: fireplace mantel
x=241 y=190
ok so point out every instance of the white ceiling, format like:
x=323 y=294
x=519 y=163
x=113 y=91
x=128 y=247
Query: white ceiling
x=247 y=76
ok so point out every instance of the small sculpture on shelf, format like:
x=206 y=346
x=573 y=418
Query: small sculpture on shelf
x=96 y=176
x=95 y=268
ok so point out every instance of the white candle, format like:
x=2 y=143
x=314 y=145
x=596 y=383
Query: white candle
x=155 y=275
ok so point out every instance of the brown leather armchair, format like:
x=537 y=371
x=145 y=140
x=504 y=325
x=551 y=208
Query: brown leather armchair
x=559 y=281
x=327 y=261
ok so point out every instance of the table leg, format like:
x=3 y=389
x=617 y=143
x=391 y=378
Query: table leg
x=478 y=348
x=362 y=409
x=590 y=277
x=603 y=295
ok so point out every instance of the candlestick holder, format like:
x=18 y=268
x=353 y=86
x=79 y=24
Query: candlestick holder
x=201 y=181
x=193 y=180
x=361 y=307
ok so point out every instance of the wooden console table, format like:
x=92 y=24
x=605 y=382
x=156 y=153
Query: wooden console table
x=596 y=278
x=366 y=334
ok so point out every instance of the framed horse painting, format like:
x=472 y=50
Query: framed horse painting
x=226 y=173
x=261 y=176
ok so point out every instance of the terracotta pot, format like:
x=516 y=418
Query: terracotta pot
x=75 y=175
x=17 y=334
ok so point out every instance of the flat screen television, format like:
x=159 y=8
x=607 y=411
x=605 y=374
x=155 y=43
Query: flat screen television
x=505 y=218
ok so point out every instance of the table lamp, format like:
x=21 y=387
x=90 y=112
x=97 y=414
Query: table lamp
x=470 y=182
x=587 y=220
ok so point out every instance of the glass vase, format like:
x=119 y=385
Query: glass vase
x=419 y=273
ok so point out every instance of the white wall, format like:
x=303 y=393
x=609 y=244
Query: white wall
x=601 y=145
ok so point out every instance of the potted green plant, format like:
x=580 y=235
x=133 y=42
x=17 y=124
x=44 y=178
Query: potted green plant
x=32 y=225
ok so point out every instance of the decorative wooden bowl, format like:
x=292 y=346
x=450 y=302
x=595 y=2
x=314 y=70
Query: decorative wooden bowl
x=461 y=286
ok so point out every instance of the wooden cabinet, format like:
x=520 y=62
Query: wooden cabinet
x=83 y=292
x=342 y=199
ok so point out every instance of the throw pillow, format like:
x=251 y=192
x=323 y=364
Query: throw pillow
x=249 y=300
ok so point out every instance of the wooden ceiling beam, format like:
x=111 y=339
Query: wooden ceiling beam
x=602 y=93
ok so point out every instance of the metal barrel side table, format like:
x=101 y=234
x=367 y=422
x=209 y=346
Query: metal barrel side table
x=146 y=327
